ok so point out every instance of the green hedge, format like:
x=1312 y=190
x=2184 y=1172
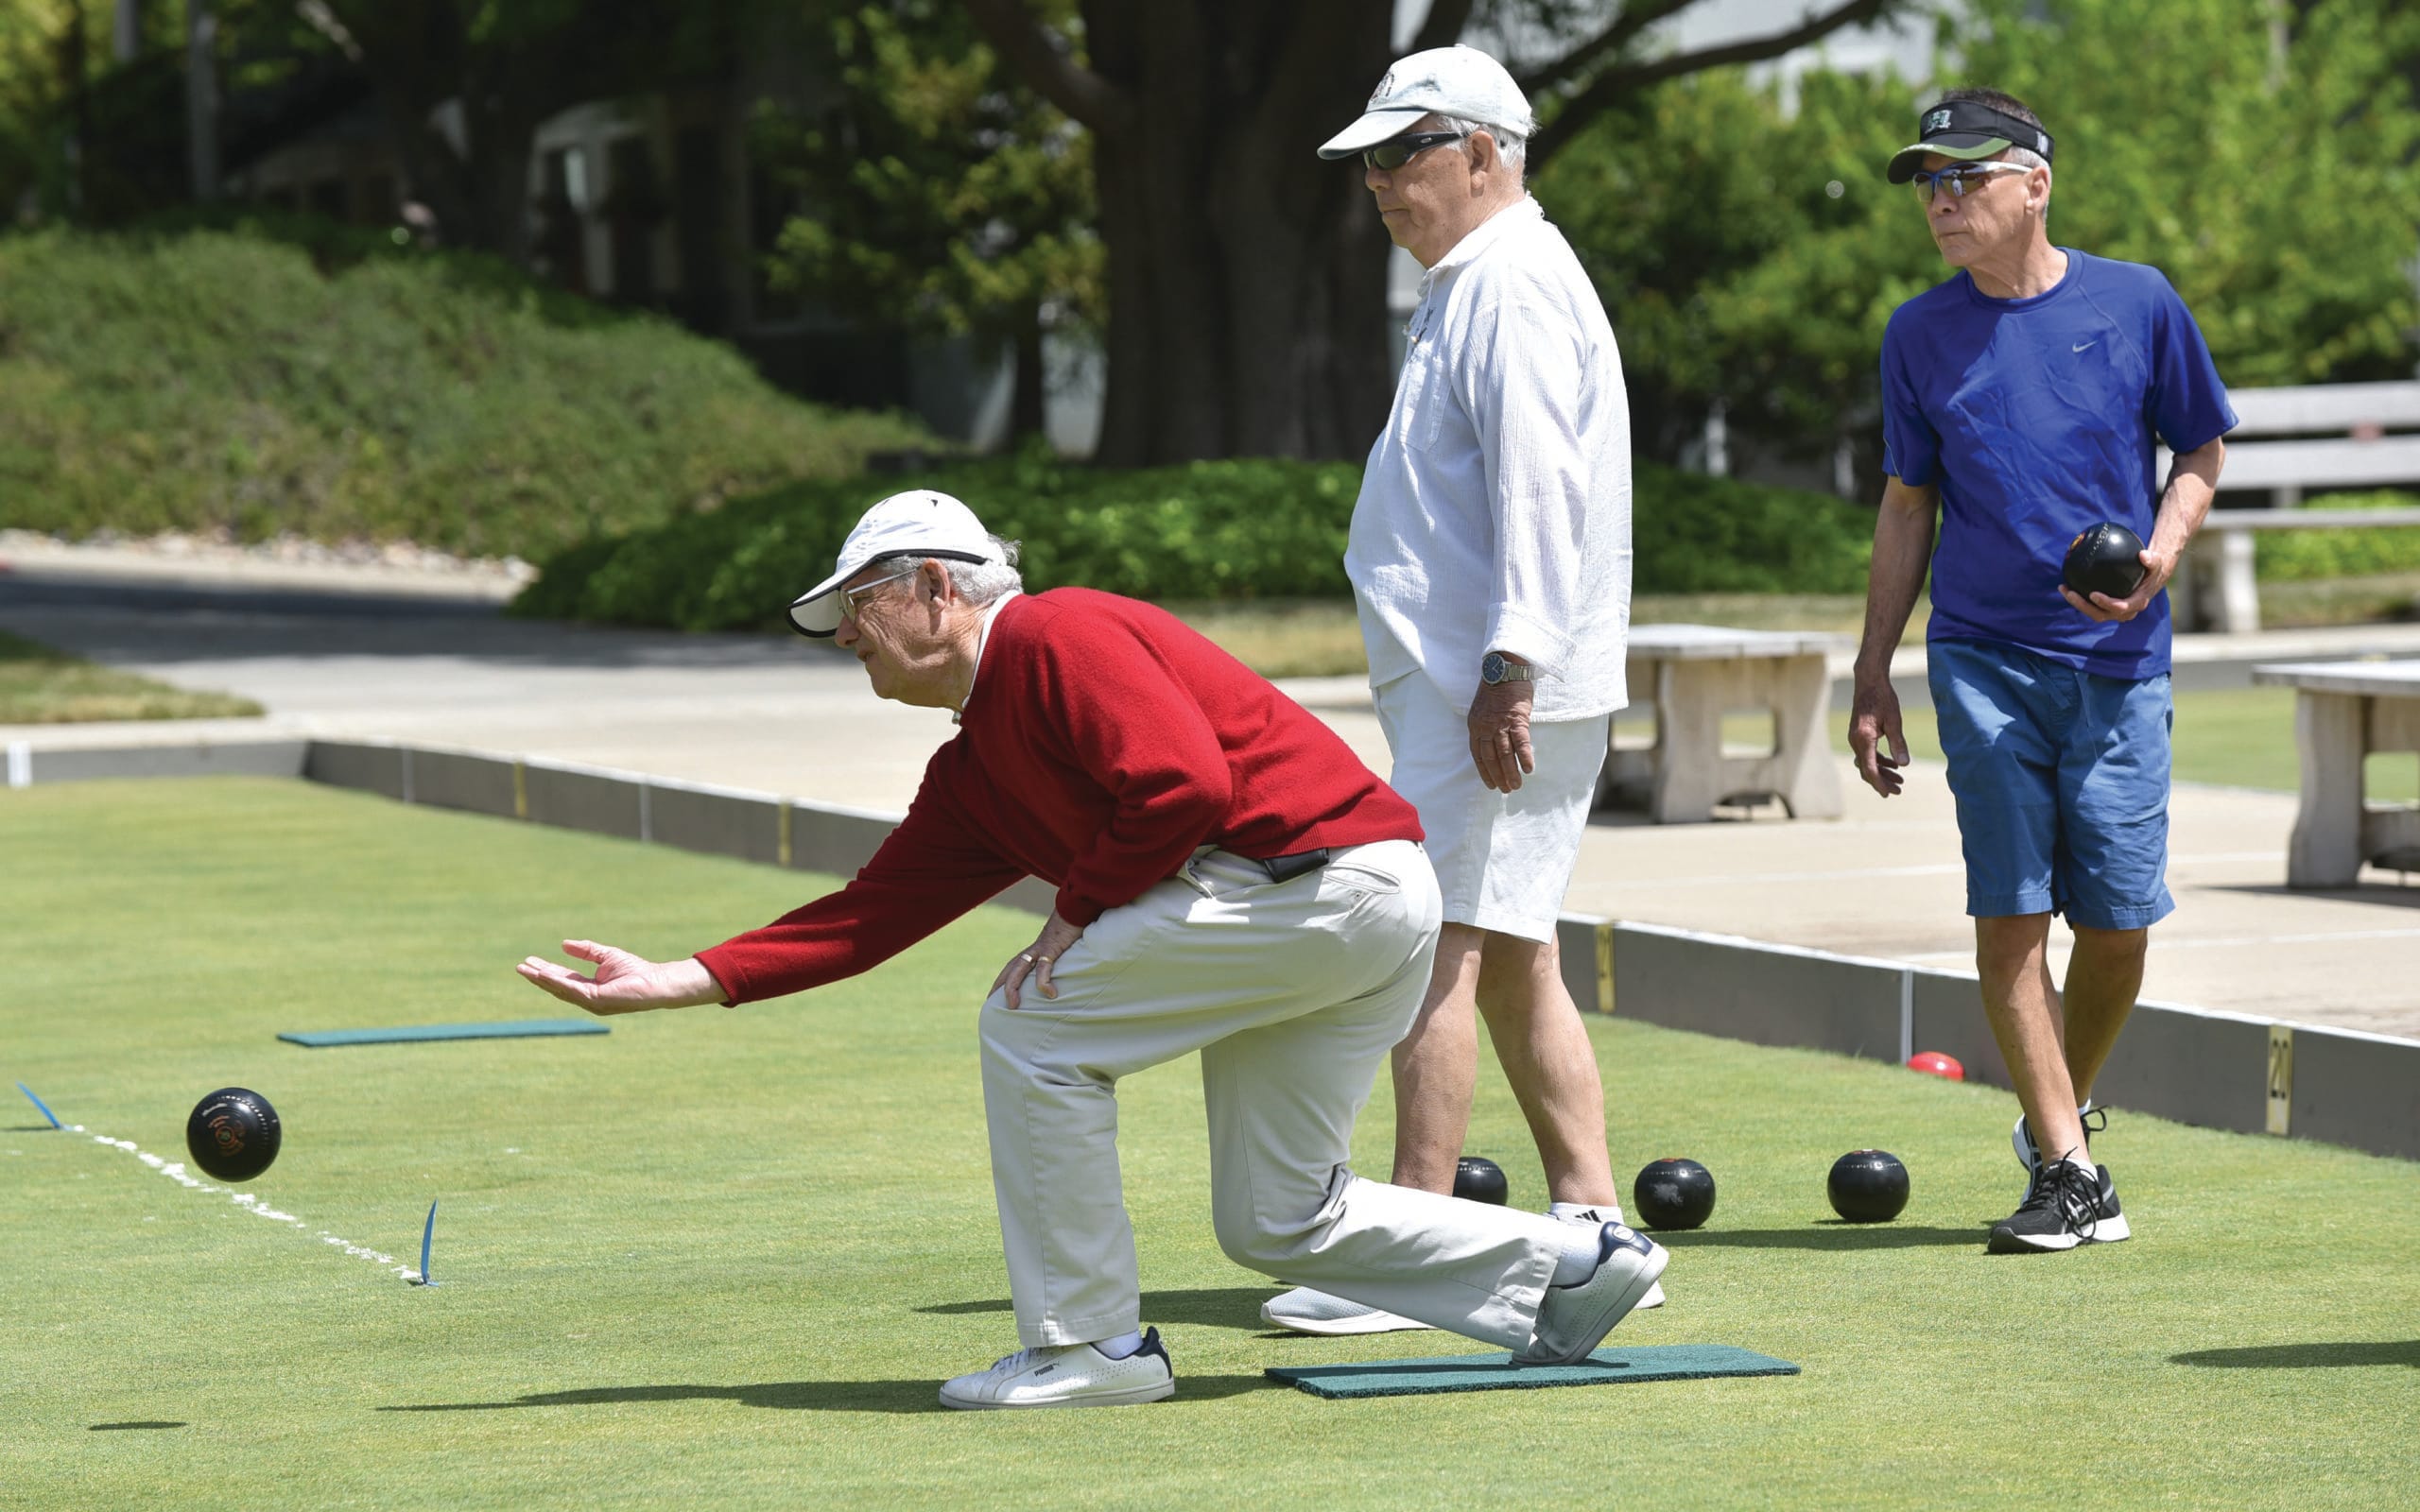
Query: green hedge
x=1208 y=530
x=2301 y=555
x=295 y=377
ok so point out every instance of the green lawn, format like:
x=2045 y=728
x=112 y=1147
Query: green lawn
x=722 y=1259
x=42 y=686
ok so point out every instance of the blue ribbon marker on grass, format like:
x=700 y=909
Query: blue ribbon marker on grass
x=427 y=1231
x=38 y=1103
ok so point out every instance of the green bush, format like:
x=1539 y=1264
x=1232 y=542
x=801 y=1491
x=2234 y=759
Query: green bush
x=293 y=377
x=2301 y=555
x=1207 y=530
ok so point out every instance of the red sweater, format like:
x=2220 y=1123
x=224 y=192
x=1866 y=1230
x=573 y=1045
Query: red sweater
x=1103 y=744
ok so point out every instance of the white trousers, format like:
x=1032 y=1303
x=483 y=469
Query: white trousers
x=1293 y=992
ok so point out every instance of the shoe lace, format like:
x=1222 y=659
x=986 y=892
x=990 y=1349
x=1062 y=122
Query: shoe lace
x=2086 y=1117
x=2072 y=1191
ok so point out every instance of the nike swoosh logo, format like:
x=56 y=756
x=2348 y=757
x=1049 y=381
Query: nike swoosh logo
x=2085 y=347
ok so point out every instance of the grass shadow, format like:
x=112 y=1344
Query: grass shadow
x=1209 y=1307
x=793 y=1396
x=2304 y=1356
x=112 y=1428
x=1826 y=1234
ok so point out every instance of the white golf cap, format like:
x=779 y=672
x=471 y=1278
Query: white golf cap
x=1458 y=81
x=918 y=522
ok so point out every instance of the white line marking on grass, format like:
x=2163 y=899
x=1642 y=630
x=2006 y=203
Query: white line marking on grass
x=175 y=1171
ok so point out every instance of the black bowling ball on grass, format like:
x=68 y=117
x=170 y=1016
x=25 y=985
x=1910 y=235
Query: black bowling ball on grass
x=1477 y=1178
x=1868 y=1186
x=232 y=1134
x=1673 y=1194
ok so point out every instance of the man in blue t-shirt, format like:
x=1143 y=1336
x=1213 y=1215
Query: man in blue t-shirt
x=2021 y=400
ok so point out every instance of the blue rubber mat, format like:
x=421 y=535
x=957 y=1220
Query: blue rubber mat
x=1497 y=1372
x=516 y=1029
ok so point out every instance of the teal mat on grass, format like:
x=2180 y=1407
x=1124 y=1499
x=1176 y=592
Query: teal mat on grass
x=1497 y=1372
x=516 y=1029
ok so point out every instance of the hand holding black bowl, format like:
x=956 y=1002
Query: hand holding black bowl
x=2108 y=560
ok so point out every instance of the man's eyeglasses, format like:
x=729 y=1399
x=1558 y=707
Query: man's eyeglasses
x=1389 y=155
x=853 y=599
x=1959 y=180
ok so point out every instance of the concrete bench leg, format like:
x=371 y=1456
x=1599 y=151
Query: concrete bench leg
x=2238 y=607
x=1805 y=777
x=2326 y=850
x=1692 y=773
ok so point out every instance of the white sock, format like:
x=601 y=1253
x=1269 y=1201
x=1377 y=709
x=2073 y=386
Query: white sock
x=1122 y=1346
x=1566 y=1211
x=1583 y=1249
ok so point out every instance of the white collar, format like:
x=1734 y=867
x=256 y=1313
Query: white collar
x=982 y=639
x=1480 y=238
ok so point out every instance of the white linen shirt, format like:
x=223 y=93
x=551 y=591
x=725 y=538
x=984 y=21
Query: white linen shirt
x=1494 y=511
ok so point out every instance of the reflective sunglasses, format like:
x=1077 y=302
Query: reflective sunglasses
x=1389 y=156
x=1961 y=179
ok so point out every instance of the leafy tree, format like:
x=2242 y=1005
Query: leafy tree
x=1246 y=279
x=939 y=190
x=1751 y=254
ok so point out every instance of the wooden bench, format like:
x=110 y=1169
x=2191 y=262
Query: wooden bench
x=2344 y=711
x=1692 y=675
x=2339 y=439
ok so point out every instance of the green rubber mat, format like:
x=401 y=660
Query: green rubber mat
x=516 y=1029
x=1497 y=1372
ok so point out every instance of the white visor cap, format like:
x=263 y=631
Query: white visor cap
x=919 y=523
x=1458 y=81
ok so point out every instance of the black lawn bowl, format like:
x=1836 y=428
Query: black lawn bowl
x=1868 y=1186
x=2104 y=559
x=1477 y=1178
x=232 y=1134
x=1673 y=1194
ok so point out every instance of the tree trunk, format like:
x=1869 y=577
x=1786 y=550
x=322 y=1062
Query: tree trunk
x=201 y=98
x=1246 y=277
x=1028 y=382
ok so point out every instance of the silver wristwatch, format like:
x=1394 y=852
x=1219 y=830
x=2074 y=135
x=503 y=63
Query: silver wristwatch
x=1495 y=668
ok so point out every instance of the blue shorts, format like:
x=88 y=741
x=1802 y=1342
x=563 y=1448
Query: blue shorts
x=2061 y=779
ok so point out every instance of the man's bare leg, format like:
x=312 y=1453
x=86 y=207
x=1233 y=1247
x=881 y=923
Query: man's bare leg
x=2103 y=977
x=1436 y=1066
x=1517 y=984
x=2023 y=1007
x=1547 y=1057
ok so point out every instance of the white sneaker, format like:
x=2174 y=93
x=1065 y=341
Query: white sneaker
x=1598 y=1218
x=1575 y=1319
x=1306 y=1310
x=1074 y=1375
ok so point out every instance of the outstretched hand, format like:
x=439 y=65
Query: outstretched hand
x=623 y=983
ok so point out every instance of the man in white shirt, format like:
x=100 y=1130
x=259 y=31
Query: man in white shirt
x=1491 y=562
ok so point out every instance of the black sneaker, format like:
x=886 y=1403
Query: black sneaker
x=2029 y=1155
x=2069 y=1203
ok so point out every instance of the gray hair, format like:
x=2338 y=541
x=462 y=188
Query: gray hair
x=1511 y=146
x=979 y=583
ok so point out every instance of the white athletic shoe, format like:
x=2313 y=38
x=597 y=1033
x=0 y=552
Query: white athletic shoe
x=1306 y=1310
x=1074 y=1375
x=1598 y=1218
x=1576 y=1318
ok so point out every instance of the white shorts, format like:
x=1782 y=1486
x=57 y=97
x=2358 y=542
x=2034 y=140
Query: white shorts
x=1503 y=860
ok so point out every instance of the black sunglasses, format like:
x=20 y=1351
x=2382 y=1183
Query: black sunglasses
x=1389 y=156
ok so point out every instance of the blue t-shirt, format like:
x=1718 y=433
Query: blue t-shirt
x=2036 y=417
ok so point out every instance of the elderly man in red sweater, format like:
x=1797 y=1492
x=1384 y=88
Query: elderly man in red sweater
x=1232 y=880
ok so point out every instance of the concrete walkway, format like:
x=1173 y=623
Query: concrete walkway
x=355 y=652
